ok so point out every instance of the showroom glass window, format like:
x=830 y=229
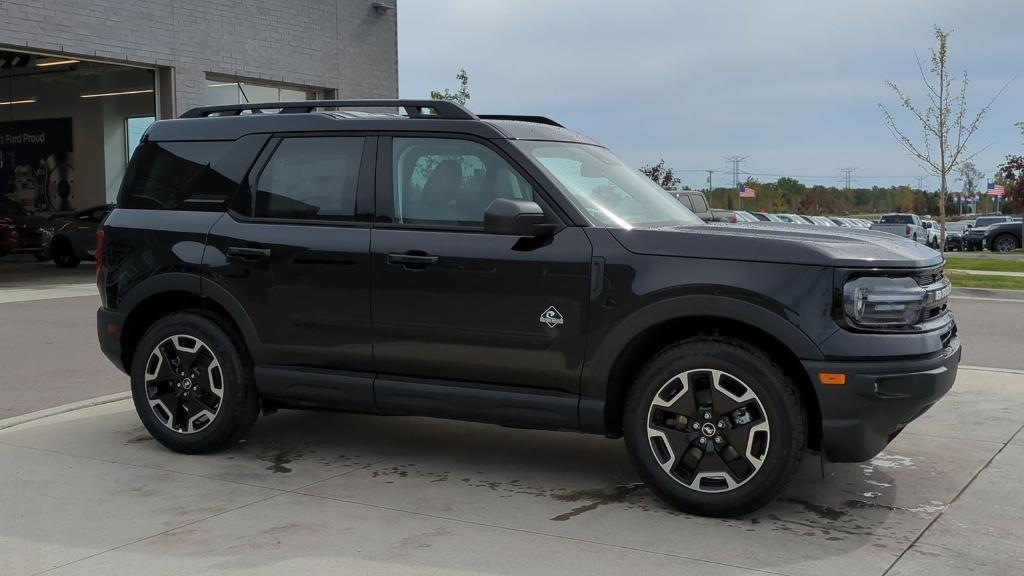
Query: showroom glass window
x=450 y=182
x=311 y=179
x=134 y=128
x=175 y=176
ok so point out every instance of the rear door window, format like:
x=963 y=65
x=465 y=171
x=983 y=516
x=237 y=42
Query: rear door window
x=311 y=179
x=175 y=176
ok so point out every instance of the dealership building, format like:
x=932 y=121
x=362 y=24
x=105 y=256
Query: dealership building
x=80 y=80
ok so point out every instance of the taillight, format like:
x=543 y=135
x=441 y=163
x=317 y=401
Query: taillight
x=99 y=253
x=733 y=219
x=910 y=230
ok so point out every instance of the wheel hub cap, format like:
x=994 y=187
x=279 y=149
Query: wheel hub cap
x=708 y=430
x=184 y=384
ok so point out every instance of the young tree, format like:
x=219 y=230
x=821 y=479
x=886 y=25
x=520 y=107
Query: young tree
x=460 y=96
x=944 y=121
x=661 y=174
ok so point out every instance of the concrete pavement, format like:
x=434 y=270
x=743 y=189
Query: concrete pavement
x=89 y=492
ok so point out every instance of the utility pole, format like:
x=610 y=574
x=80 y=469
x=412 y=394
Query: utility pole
x=847 y=176
x=710 y=172
x=736 y=160
x=920 y=183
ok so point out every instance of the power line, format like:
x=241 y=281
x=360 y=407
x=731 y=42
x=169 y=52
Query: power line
x=736 y=160
x=847 y=175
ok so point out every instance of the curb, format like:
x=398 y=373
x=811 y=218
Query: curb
x=47 y=412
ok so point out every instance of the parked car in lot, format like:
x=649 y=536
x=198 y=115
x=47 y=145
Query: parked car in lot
x=955 y=235
x=1005 y=237
x=503 y=269
x=20 y=230
x=974 y=239
x=71 y=239
x=791 y=219
x=905 y=225
x=933 y=233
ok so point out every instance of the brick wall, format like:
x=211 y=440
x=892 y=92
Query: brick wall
x=343 y=45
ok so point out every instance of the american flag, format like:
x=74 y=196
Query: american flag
x=748 y=192
x=996 y=189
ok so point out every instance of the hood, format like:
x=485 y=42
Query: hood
x=782 y=243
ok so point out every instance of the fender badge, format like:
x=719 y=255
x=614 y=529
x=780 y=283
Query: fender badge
x=551 y=317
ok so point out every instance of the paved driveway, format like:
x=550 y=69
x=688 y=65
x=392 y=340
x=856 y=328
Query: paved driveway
x=89 y=492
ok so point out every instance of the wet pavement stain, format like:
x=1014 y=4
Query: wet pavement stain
x=823 y=512
x=280 y=459
x=598 y=498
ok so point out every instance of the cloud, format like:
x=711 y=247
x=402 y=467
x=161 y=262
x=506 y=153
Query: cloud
x=793 y=84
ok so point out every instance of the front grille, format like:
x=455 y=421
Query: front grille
x=929 y=277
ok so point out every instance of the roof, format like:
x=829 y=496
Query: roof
x=234 y=121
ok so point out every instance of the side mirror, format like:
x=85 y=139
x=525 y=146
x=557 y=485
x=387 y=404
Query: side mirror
x=516 y=218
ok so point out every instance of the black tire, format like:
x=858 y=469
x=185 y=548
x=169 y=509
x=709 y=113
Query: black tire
x=63 y=254
x=1005 y=243
x=782 y=445
x=41 y=256
x=238 y=405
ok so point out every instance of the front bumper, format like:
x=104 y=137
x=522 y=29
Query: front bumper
x=109 y=325
x=879 y=399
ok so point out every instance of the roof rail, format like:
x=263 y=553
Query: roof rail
x=413 y=108
x=534 y=119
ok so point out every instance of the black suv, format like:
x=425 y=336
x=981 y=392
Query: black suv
x=503 y=269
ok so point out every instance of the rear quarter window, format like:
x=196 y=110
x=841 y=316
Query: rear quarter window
x=896 y=219
x=175 y=176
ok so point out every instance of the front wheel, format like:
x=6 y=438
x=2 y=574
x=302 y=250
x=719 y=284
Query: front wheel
x=714 y=427
x=1005 y=243
x=193 y=388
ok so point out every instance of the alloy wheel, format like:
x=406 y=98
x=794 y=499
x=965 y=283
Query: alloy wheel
x=708 y=430
x=1005 y=244
x=184 y=384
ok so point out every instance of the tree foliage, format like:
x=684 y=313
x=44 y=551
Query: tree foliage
x=661 y=174
x=461 y=96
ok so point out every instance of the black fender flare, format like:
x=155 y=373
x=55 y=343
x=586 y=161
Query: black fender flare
x=595 y=384
x=205 y=288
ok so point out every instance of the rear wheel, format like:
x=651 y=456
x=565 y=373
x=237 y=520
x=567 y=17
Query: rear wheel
x=714 y=427
x=63 y=254
x=192 y=386
x=1005 y=243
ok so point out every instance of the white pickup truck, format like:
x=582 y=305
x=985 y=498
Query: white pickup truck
x=906 y=225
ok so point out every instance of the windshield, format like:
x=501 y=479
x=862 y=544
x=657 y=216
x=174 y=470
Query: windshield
x=609 y=192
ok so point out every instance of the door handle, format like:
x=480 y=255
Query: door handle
x=412 y=261
x=248 y=254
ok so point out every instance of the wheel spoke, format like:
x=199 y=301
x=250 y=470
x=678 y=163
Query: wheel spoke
x=730 y=440
x=184 y=383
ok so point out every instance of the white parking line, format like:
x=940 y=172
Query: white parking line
x=8 y=295
x=1016 y=301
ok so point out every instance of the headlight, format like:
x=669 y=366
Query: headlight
x=880 y=302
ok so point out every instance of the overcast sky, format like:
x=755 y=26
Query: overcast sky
x=793 y=84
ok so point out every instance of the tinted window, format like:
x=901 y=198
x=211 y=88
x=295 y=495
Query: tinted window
x=448 y=181
x=699 y=203
x=175 y=176
x=311 y=178
x=897 y=219
x=990 y=221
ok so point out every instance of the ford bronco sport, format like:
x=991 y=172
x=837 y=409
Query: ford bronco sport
x=503 y=269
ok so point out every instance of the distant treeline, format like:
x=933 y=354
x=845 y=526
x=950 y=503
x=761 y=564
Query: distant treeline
x=790 y=195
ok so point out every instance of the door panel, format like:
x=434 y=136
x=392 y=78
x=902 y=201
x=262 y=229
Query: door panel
x=306 y=288
x=300 y=268
x=475 y=313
